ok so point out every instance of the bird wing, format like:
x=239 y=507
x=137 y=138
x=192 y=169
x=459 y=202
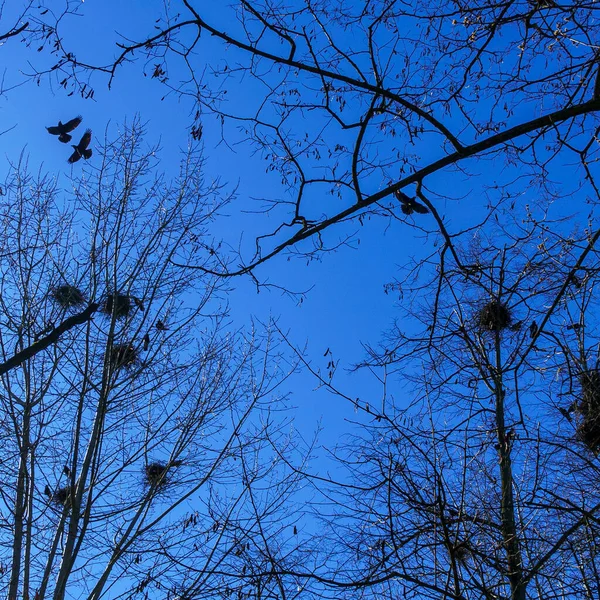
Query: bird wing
x=86 y=138
x=403 y=197
x=70 y=125
x=75 y=156
x=54 y=130
x=419 y=208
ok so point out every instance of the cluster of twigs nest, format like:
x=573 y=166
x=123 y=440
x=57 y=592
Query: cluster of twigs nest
x=156 y=472
x=68 y=296
x=461 y=551
x=124 y=356
x=494 y=316
x=62 y=496
x=588 y=429
x=117 y=304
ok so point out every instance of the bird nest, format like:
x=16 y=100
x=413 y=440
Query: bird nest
x=117 y=304
x=462 y=552
x=156 y=473
x=68 y=295
x=62 y=496
x=124 y=356
x=494 y=316
x=588 y=429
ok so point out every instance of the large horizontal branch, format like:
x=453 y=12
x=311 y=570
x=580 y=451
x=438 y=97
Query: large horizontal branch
x=489 y=143
x=48 y=340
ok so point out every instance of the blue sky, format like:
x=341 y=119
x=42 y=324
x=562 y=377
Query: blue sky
x=346 y=304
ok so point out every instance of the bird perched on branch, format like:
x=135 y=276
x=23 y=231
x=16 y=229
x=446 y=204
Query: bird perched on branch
x=161 y=326
x=82 y=148
x=62 y=129
x=410 y=205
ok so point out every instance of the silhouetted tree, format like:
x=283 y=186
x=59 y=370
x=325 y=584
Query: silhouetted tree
x=352 y=102
x=130 y=467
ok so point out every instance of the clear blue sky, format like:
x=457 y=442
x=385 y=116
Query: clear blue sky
x=346 y=305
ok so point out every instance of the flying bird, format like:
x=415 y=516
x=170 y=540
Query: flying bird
x=410 y=205
x=82 y=148
x=62 y=129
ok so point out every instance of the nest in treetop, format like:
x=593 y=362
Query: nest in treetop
x=118 y=304
x=62 y=496
x=68 y=295
x=588 y=429
x=494 y=316
x=461 y=551
x=156 y=473
x=124 y=355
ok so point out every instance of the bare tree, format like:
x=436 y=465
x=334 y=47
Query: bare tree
x=353 y=102
x=476 y=474
x=135 y=440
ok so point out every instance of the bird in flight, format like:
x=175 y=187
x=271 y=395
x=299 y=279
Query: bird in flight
x=82 y=148
x=410 y=205
x=62 y=129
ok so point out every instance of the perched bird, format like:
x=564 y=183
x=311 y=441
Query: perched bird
x=48 y=491
x=565 y=413
x=161 y=326
x=67 y=471
x=533 y=329
x=82 y=148
x=62 y=129
x=295 y=530
x=410 y=205
x=147 y=341
x=138 y=303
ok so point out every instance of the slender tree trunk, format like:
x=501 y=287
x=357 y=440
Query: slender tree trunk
x=507 y=507
x=20 y=505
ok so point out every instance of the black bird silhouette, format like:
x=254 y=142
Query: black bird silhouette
x=410 y=205
x=48 y=491
x=533 y=329
x=62 y=129
x=82 y=148
x=161 y=326
x=67 y=471
x=147 y=341
x=565 y=413
x=138 y=303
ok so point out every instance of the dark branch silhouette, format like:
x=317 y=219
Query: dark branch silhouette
x=51 y=338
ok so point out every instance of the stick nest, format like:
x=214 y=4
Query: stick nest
x=118 y=304
x=588 y=429
x=494 y=316
x=124 y=356
x=462 y=552
x=156 y=473
x=62 y=496
x=68 y=296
